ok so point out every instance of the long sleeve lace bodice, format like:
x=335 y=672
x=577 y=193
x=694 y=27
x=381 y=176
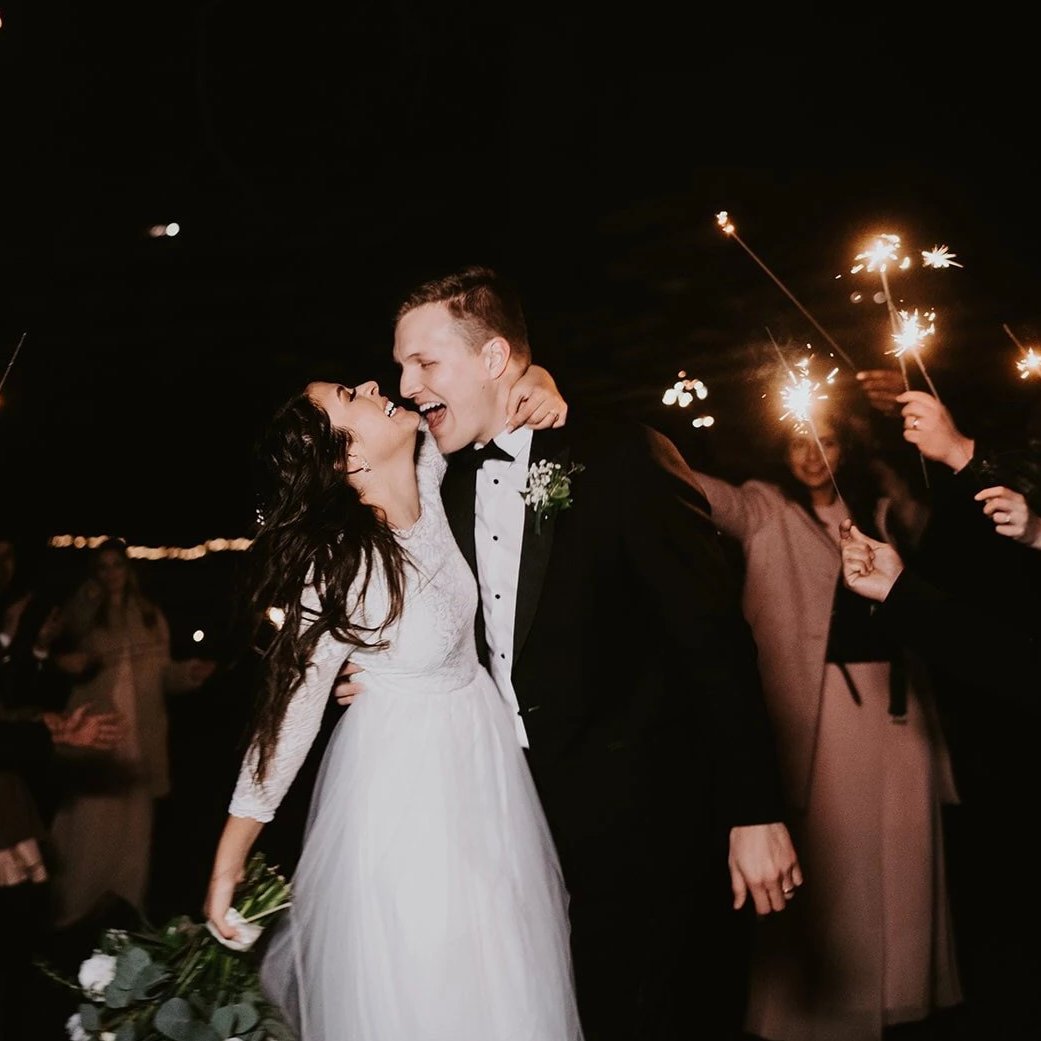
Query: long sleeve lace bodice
x=303 y=717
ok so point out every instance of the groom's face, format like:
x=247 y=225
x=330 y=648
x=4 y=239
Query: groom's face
x=449 y=378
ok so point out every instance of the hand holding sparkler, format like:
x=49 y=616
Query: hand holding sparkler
x=930 y=427
x=869 y=567
x=1011 y=514
x=881 y=387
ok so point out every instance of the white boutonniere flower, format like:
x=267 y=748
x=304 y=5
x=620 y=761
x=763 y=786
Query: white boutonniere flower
x=548 y=489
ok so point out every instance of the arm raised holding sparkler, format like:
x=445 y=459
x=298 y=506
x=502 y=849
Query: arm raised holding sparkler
x=992 y=651
x=929 y=425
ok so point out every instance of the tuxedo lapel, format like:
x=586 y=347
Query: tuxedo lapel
x=536 y=546
x=458 y=490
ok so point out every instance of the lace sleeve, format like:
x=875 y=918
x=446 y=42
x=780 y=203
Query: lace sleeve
x=430 y=463
x=299 y=728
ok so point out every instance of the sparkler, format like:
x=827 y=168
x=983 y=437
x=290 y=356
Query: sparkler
x=907 y=333
x=878 y=257
x=18 y=347
x=727 y=225
x=799 y=395
x=910 y=337
x=1030 y=363
x=939 y=257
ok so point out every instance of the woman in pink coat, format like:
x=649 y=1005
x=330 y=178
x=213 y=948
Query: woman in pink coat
x=868 y=941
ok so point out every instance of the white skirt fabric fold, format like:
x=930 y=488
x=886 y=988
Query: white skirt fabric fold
x=428 y=901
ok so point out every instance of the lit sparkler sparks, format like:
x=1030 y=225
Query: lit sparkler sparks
x=880 y=255
x=908 y=332
x=727 y=226
x=1030 y=363
x=911 y=334
x=800 y=393
x=939 y=257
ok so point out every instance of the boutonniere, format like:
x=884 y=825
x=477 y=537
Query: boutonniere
x=549 y=488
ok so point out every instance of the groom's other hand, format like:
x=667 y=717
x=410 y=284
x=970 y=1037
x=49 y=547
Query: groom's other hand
x=535 y=401
x=763 y=865
x=345 y=687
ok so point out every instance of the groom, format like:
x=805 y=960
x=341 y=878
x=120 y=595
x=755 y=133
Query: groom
x=614 y=628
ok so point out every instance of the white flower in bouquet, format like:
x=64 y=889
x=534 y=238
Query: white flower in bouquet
x=96 y=973
x=74 y=1028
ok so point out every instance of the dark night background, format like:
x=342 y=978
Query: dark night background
x=321 y=158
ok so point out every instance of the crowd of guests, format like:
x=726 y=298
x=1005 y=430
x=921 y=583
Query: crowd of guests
x=83 y=755
x=891 y=580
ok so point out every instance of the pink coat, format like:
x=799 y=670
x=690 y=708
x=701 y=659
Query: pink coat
x=796 y=564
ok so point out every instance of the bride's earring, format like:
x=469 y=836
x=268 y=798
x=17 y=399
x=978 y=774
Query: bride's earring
x=363 y=469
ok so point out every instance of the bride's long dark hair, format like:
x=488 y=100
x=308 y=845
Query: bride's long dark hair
x=311 y=519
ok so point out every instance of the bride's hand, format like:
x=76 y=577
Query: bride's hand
x=229 y=868
x=218 y=901
x=535 y=401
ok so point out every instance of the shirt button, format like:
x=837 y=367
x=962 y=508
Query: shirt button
x=497 y=596
x=495 y=538
x=502 y=655
x=495 y=480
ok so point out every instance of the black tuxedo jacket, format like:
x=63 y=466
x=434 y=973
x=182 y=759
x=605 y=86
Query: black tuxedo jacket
x=634 y=668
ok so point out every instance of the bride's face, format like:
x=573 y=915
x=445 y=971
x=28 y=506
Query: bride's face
x=378 y=428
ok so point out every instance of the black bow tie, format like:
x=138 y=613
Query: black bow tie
x=475 y=458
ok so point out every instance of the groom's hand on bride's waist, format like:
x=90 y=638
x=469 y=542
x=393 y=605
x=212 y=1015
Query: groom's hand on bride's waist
x=345 y=687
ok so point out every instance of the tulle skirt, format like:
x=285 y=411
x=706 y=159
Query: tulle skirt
x=428 y=902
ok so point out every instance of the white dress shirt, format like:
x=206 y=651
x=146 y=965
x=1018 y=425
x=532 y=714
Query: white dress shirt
x=498 y=535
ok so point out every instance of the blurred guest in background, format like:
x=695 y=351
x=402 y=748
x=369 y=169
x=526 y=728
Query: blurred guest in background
x=978 y=550
x=102 y=830
x=868 y=942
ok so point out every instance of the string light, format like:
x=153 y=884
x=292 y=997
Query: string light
x=217 y=545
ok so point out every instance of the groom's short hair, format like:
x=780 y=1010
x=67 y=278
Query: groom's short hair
x=483 y=300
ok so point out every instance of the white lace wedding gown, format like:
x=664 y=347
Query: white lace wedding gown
x=428 y=901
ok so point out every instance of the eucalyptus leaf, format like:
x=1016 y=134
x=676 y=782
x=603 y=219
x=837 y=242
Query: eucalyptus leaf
x=229 y=1020
x=118 y=996
x=126 y=1031
x=129 y=964
x=89 y=1017
x=147 y=979
x=176 y=1020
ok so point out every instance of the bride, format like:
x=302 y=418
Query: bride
x=428 y=900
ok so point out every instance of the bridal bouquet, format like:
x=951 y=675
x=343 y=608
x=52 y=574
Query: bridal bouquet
x=182 y=982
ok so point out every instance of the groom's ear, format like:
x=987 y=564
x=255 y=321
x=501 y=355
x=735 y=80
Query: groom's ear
x=496 y=356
